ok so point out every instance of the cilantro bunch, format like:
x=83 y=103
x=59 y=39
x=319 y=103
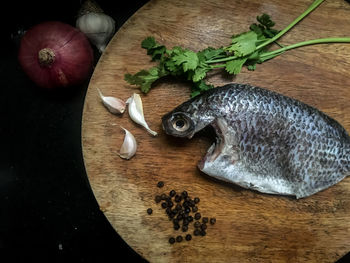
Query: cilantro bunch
x=246 y=49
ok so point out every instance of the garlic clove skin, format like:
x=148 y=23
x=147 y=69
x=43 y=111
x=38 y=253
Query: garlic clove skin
x=89 y=6
x=114 y=105
x=135 y=110
x=129 y=146
x=98 y=28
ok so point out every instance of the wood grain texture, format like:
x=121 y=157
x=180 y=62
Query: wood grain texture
x=251 y=227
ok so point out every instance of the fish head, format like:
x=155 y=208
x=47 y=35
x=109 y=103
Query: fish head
x=187 y=119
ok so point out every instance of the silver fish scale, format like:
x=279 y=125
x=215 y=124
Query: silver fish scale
x=269 y=142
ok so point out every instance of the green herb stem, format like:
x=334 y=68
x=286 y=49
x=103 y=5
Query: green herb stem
x=217 y=66
x=220 y=60
x=312 y=7
x=277 y=52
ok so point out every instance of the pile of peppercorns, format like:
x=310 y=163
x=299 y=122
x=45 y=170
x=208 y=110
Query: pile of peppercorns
x=182 y=211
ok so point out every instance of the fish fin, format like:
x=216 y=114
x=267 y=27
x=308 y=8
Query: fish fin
x=239 y=173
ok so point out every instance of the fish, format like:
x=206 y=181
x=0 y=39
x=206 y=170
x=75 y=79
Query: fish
x=265 y=141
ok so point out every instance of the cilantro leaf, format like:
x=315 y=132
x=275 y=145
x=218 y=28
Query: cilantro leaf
x=149 y=43
x=235 y=66
x=145 y=78
x=251 y=67
x=265 y=20
x=264 y=28
x=199 y=73
x=200 y=86
x=258 y=29
x=243 y=44
x=154 y=49
x=210 y=53
x=188 y=59
x=157 y=53
x=175 y=70
x=175 y=51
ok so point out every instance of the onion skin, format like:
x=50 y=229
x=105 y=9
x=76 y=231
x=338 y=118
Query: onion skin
x=72 y=59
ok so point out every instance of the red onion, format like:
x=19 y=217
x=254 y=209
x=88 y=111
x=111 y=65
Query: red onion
x=54 y=54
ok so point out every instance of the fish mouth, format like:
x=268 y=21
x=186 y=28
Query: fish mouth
x=216 y=148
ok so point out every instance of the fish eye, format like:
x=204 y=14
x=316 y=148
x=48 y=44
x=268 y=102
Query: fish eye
x=180 y=124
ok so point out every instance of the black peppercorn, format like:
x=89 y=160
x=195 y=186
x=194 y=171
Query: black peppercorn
x=194 y=209
x=171 y=215
x=149 y=211
x=196 y=232
x=190 y=218
x=176 y=226
x=184 y=194
x=212 y=220
x=205 y=220
x=172 y=193
x=203 y=233
x=185 y=204
x=171 y=240
x=178 y=207
x=184 y=228
x=160 y=184
x=163 y=196
x=197 y=216
x=197 y=224
x=178 y=238
x=187 y=210
x=158 y=198
x=185 y=222
x=196 y=200
x=188 y=237
x=203 y=226
x=178 y=198
x=164 y=205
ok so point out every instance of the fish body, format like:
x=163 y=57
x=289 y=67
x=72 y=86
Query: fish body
x=265 y=141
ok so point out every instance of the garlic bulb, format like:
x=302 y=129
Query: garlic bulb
x=98 y=28
x=136 y=112
x=114 y=105
x=129 y=146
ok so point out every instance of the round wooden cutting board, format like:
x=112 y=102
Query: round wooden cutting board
x=250 y=227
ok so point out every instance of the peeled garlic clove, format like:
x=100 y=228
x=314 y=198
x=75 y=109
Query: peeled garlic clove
x=136 y=112
x=114 y=105
x=129 y=146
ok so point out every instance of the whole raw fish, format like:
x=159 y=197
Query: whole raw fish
x=265 y=141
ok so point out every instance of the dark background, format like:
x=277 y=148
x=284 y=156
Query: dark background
x=48 y=212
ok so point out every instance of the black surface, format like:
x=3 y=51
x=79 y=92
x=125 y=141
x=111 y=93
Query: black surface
x=47 y=210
